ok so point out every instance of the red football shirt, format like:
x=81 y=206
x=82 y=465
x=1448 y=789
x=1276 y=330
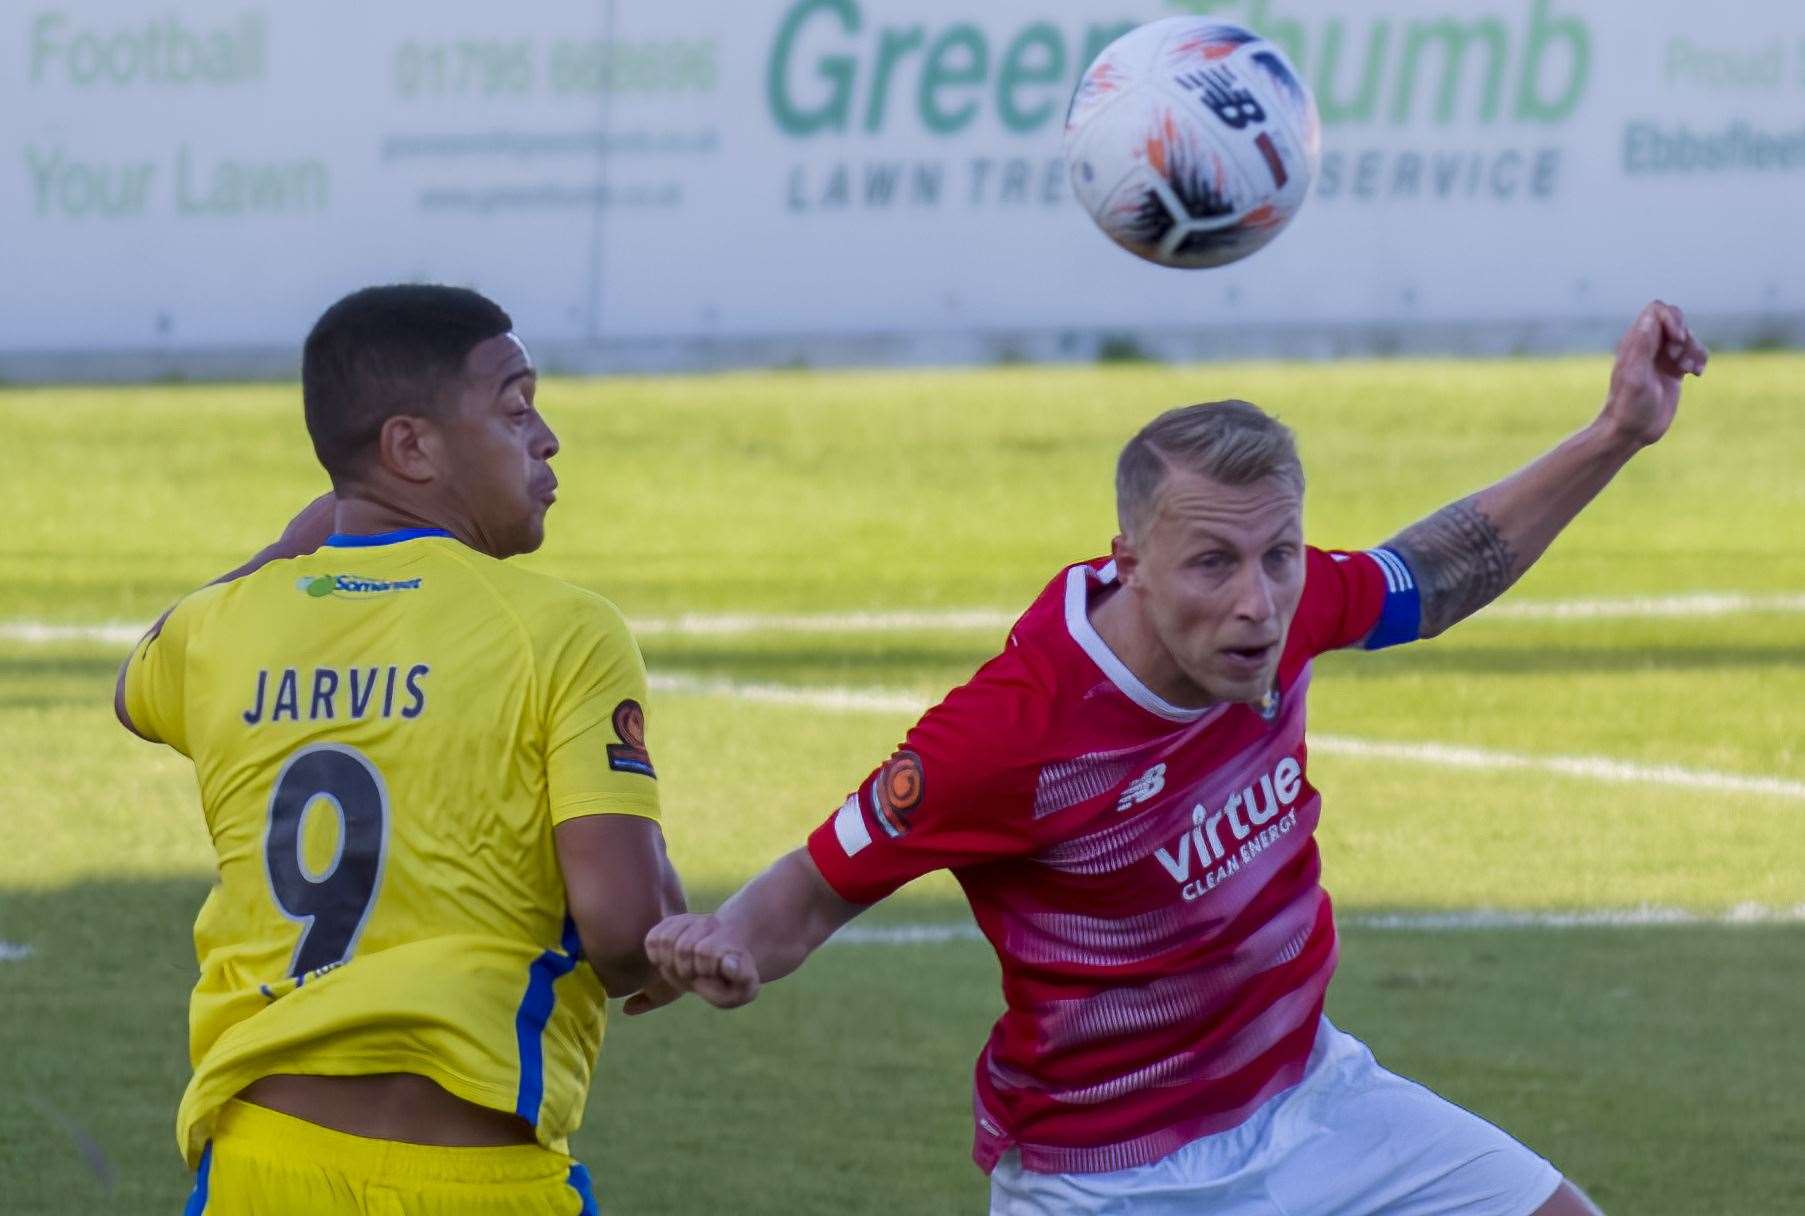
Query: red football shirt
x=1147 y=874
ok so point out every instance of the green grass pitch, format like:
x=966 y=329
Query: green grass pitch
x=1660 y=1065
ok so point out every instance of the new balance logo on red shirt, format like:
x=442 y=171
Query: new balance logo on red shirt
x=1137 y=1021
x=1143 y=787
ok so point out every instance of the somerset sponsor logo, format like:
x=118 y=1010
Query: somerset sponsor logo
x=1207 y=856
x=318 y=586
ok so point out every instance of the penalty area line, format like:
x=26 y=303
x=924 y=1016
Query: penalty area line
x=1473 y=920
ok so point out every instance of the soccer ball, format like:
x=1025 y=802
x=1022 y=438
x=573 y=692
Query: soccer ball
x=1192 y=141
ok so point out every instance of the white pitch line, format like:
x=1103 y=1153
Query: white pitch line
x=1475 y=920
x=1702 y=603
x=905 y=935
x=834 y=700
x=971 y=620
x=1591 y=768
x=43 y=633
x=1439 y=755
x=957 y=620
x=1645 y=916
x=1693 y=604
x=952 y=620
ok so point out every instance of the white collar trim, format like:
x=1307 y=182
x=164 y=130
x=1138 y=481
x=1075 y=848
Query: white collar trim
x=1078 y=624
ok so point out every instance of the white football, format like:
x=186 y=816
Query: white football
x=1192 y=141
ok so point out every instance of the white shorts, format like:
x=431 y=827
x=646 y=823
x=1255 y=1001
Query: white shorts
x=1350 y=1139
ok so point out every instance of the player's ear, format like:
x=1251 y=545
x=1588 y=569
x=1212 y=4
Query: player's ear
x=410 y=447
x=1128 y=562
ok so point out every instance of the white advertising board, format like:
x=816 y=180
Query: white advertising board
x=187 y=184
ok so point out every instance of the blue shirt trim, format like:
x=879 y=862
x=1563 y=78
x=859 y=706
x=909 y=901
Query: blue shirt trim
x=1401 y=618
x=580 y=1182
x=197 y=1200
x=347 y=540
x=535 y=1011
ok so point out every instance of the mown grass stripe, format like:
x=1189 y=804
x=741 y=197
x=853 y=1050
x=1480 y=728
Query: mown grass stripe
x=1441 y=755
x=873 y=700
x=1590 y=768
x=972 y=620
x=1467 y=921
x=1694 y=604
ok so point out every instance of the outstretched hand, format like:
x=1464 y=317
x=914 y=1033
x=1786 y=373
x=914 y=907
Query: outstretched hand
x=696 y=952
x=1656 y=354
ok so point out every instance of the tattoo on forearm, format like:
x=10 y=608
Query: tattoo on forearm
x=1461 y=563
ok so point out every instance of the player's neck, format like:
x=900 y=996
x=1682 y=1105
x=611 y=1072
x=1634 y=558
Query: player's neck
x=1119 y=621
x=358 y=513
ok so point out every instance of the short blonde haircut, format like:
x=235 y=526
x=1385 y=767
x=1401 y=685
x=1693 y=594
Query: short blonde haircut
x=1233 y=442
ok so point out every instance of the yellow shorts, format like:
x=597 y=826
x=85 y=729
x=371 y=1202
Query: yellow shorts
x=261 y=1163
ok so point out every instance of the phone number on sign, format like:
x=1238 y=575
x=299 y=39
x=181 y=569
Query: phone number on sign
x=501 y=67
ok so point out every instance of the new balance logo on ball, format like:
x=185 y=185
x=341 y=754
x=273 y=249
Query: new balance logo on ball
x=1143 y=787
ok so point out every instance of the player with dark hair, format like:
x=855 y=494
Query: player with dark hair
x=1124 y=795
x=425 y=774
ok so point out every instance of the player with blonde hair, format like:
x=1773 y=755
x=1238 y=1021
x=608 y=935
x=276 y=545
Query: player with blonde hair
x=1124 y=795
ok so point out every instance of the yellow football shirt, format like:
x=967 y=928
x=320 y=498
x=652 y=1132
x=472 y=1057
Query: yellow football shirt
x=385 y=733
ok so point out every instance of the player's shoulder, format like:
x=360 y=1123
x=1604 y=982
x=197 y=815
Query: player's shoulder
x=1045 y=637
x=534 y=598
x=219 y=601
x=203 y=601
x=565 y=626
x=1038 y=656
x=1350 y=596
x=203 y=604
x=1009 y=708
x=537 y=593
x=1007 y=696
x=1383 y=564
x=1043 y=628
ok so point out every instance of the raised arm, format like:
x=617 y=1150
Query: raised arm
x=763 y=933
x=1465 y=555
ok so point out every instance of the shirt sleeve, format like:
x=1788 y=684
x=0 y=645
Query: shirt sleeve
x=1367 y=599
x=156 y=679
x=947 y=799
x=597 y=759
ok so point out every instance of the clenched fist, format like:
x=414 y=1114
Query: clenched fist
x=696 y=952
x=1654 y=356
